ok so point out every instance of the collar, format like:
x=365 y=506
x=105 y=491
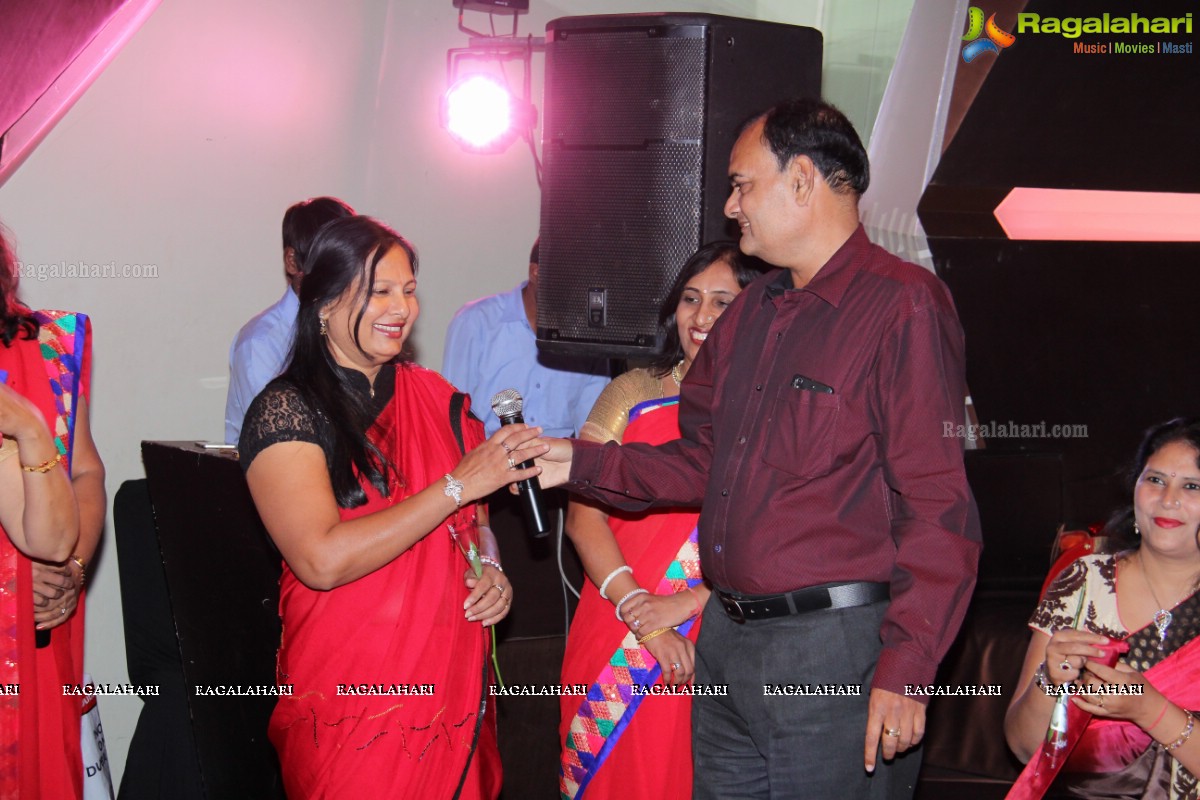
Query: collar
x=289 y=303
x=514 y=309
x=385 y=384
x=835 y=275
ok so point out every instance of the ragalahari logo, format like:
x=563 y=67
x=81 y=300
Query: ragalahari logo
x=996 y=40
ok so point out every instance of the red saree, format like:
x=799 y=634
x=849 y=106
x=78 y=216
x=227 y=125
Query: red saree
x=1114 y=758
x=643 y=748
x=359 y=657
x=40 y=728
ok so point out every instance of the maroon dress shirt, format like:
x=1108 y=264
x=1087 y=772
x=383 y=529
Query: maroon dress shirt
x=817 y=434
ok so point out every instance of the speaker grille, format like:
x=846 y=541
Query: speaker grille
x=640 y=113
x=624 y=88
x=625 y=222
x=622 y=198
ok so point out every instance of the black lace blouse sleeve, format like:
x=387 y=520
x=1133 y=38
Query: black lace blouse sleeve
x=278 y=414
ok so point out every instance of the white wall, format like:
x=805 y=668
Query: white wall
x=186 y=151
x=183 y=155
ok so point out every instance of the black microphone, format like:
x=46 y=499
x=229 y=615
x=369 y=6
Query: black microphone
x=508 y=405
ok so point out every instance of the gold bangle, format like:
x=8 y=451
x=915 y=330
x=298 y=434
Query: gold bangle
x=652 y=634
x=79 y=562
x=45 y=466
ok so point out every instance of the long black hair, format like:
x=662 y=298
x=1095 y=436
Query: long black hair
x=1181 y=429
x=15 y=319
x=343 y=259
x=745 y=270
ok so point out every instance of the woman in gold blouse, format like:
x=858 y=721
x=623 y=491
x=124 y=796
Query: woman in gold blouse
x=645 y=568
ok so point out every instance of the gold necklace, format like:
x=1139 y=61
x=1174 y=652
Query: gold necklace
x=675 y=376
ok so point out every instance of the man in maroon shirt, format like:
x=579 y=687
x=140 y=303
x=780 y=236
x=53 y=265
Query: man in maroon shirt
x=838 y=530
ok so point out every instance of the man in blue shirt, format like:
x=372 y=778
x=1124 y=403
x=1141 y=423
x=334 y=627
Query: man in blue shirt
x=260 y=350
x=490 y=346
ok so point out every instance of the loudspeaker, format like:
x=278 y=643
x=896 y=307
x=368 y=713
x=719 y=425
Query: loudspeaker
x=641 y=112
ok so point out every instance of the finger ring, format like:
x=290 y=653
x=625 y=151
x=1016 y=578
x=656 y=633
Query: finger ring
x=676 y=667
x=1065 y=665
x=507 y=449
x=1100 y=702
x=62 y=611
x=511 y=464
x=501 y=588
x=637 y=623
x=892 y=732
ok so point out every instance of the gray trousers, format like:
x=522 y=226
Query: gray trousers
x=753 y=745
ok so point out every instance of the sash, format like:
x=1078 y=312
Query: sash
x=401 y=624
x=646 y=406
x=61 y=339
x=1098 y=745
x=61 y=344
x=610 y=704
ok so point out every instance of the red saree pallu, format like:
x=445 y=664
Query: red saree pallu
x=617 y=743
x=389 y=680
x=40 y=728
x=1113 y=758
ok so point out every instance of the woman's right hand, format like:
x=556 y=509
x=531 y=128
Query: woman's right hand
x=649 y=612
x=1068 y=650
x=491 y=465
x=19 y=418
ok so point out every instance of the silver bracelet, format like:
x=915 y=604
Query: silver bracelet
x=491 y=562
x=611 y=575
x=1043 y=682
x=454 y=489
x=634 y=593
x=1187 y=732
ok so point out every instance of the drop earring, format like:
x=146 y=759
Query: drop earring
x=324 y=326
x=1136 y=530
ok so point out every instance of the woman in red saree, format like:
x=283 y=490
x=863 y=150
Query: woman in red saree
x=617 y=743
x=51 y=515
x=391 y=578
x=1126 y=730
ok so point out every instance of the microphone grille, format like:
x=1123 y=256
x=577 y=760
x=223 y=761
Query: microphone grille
x=507 y=402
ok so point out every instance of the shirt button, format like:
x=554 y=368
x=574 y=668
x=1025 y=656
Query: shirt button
x=778 y=336
x=758 y=388
x=716 y=548
x=742 y=440
x=724 y=493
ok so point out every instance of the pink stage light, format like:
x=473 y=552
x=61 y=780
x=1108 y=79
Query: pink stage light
x=1080 y=215
x=480 y=113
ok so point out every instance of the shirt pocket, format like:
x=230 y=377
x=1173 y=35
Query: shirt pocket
x=803 y=431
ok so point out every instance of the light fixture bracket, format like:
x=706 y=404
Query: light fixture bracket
x=499 y=49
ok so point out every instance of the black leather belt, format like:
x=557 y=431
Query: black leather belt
x=816 y=598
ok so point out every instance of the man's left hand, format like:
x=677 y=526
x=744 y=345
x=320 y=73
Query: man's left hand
x=894 y=713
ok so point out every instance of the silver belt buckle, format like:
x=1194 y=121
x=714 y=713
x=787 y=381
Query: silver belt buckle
x=732 y=608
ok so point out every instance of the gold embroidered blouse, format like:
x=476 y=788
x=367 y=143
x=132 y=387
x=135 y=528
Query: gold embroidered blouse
x=610 y=415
